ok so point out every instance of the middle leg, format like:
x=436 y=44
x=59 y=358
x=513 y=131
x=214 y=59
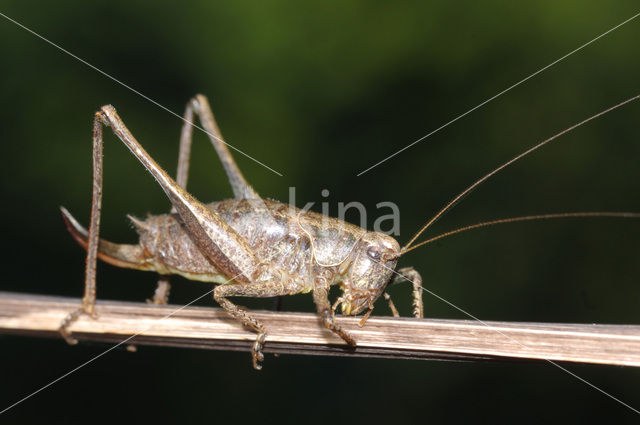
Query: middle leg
x=255 y=290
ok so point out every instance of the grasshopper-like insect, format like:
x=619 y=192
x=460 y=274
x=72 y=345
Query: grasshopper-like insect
x=251 y=246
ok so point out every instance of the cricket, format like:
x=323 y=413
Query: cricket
x=255 y=247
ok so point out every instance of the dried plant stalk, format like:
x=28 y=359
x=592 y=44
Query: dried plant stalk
x=301 y=333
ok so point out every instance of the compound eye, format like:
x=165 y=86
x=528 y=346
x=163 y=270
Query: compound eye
x=373 y=252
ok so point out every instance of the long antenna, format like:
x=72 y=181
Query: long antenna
x=506 y=164
x=525 y=218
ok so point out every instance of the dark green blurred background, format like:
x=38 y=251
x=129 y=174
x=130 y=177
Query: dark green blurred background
x=320 y=91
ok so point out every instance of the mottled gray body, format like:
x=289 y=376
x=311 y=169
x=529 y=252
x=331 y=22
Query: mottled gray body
x=279 y=240
x=300 y=247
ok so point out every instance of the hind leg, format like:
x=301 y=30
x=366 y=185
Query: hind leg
x=89 y=298
x=241 y=188
x=161 y=295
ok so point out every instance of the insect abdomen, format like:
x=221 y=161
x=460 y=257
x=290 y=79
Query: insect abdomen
x=267 y=226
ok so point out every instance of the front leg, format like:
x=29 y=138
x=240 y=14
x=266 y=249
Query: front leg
x=326 y=313
x=409 y=274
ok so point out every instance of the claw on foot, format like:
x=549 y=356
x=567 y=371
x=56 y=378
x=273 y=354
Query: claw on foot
x=329 y=323
x=72 y=317
x=365 y=317
x=256 y=351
